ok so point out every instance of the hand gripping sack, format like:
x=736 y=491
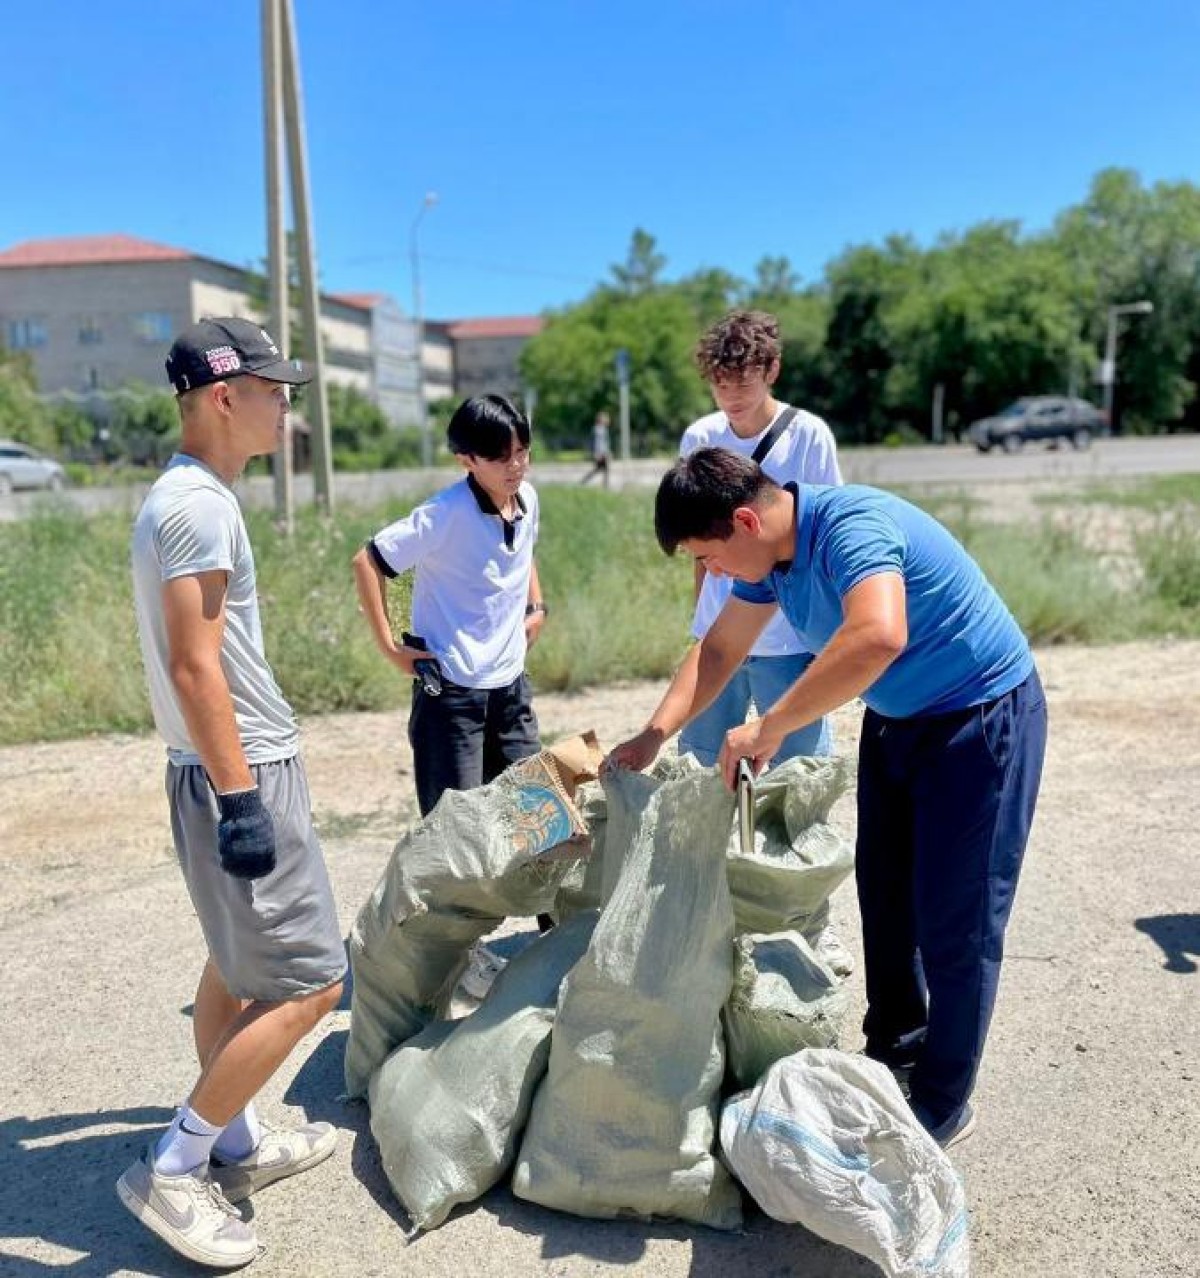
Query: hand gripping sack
x=826 y=1141
x=623 y=1123
x=480 y=855
x=448 y=1106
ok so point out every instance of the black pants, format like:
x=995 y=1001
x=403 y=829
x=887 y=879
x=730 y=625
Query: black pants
x=945 y=803
x=468 y=736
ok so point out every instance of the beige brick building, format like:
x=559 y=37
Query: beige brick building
x=486 y=353
x=98 y=312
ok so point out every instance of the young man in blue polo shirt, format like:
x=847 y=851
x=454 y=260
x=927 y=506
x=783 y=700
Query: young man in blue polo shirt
x=476 y=604
x=952 y=742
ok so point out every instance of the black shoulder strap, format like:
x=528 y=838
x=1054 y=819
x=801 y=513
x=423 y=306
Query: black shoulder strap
x=782 y=422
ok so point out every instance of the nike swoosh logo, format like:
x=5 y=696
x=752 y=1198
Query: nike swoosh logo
x=181 y=1220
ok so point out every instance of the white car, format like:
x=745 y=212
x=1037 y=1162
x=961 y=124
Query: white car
x=24 y=467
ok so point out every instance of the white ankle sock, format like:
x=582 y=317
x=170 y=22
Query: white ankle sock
x=186 y=1144
x=240 y=1138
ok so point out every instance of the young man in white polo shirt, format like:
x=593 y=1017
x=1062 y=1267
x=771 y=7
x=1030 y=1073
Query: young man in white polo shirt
x=739 y=358
x=476 y=604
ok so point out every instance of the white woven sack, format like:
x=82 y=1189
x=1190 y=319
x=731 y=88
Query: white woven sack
x=827 y=1141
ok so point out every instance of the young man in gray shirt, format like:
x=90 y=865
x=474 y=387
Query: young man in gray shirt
x=240 y=811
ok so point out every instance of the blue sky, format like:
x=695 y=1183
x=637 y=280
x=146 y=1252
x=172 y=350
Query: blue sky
x=550 y=130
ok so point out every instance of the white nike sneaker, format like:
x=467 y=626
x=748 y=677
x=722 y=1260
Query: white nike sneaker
x=189 y=1213
x=484 y=966
x=282 y=1151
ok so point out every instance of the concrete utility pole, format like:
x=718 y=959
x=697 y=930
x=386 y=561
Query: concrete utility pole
x=282 y=97
x=418 y=304
x=278 y=317
x=621 y=361
x=306 y=252
x=936 y=433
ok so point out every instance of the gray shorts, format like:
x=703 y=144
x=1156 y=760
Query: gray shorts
x=273 y=938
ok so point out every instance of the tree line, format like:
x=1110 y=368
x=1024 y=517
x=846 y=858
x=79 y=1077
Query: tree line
x=989 y=314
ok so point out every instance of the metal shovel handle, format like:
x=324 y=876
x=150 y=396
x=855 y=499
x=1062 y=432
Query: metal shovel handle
x=745 y=806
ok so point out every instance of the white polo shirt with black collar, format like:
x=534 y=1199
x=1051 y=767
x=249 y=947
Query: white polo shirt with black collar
x=471 y=583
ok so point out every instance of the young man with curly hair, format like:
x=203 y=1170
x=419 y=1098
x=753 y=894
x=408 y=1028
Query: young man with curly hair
x=739 y=357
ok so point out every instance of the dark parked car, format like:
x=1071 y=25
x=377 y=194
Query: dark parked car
x=1039 y=417
x=24 y=467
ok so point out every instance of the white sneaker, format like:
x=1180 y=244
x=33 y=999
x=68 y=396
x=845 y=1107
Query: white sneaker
x=282 y=1151
x=482 y=969
x=189 y=1213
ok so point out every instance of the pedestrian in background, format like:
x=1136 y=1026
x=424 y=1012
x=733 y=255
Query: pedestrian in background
x=601 y=450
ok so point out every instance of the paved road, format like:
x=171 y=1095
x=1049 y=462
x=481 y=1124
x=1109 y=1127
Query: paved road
x=887 y=467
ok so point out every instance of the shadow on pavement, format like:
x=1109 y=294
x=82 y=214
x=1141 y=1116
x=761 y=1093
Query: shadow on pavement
x=57 y=1185
x=319 y=1089
x=764 y=1247
x=1177 y=935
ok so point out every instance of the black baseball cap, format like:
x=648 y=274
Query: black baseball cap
x=215 y=350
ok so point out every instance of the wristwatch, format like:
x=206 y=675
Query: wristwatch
x=540 y=606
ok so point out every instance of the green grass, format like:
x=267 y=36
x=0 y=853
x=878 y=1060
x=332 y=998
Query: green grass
x=1157 y=493
x=619 y=607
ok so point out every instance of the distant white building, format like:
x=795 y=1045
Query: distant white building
x=97 y=312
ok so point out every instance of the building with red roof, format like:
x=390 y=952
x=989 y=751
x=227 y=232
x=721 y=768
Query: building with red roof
x=98 y=312
x=487 y=353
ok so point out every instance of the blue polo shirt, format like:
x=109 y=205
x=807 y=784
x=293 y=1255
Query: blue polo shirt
x=964 y=647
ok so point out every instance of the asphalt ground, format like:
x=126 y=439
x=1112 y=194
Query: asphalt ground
x=1084 y=1164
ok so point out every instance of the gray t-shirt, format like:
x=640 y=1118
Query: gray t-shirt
x=191 y=523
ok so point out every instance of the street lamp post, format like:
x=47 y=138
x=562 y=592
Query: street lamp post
x=1108 y=370
x=414 y=257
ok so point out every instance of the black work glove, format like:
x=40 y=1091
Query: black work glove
x=245 y=835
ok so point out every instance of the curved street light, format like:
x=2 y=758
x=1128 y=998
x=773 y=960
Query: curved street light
x=414 y=257
x=1108 y=369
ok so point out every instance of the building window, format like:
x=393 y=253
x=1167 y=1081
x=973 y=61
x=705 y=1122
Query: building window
x=90 y=333
x=25 y=334
x=153 y=326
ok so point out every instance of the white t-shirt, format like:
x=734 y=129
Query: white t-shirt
x=472 y=580
x=191 y=523
x=805 y=453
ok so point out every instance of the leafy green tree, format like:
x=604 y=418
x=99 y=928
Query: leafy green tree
x=571 y=363
x=709 y=293
x=143 y=427
x=864 y=285
x=775 y=284
x=804 y=378
x=72 y=429
x=992 y=320
x=1126 y=243
x=23 y=416
x=643 y=265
